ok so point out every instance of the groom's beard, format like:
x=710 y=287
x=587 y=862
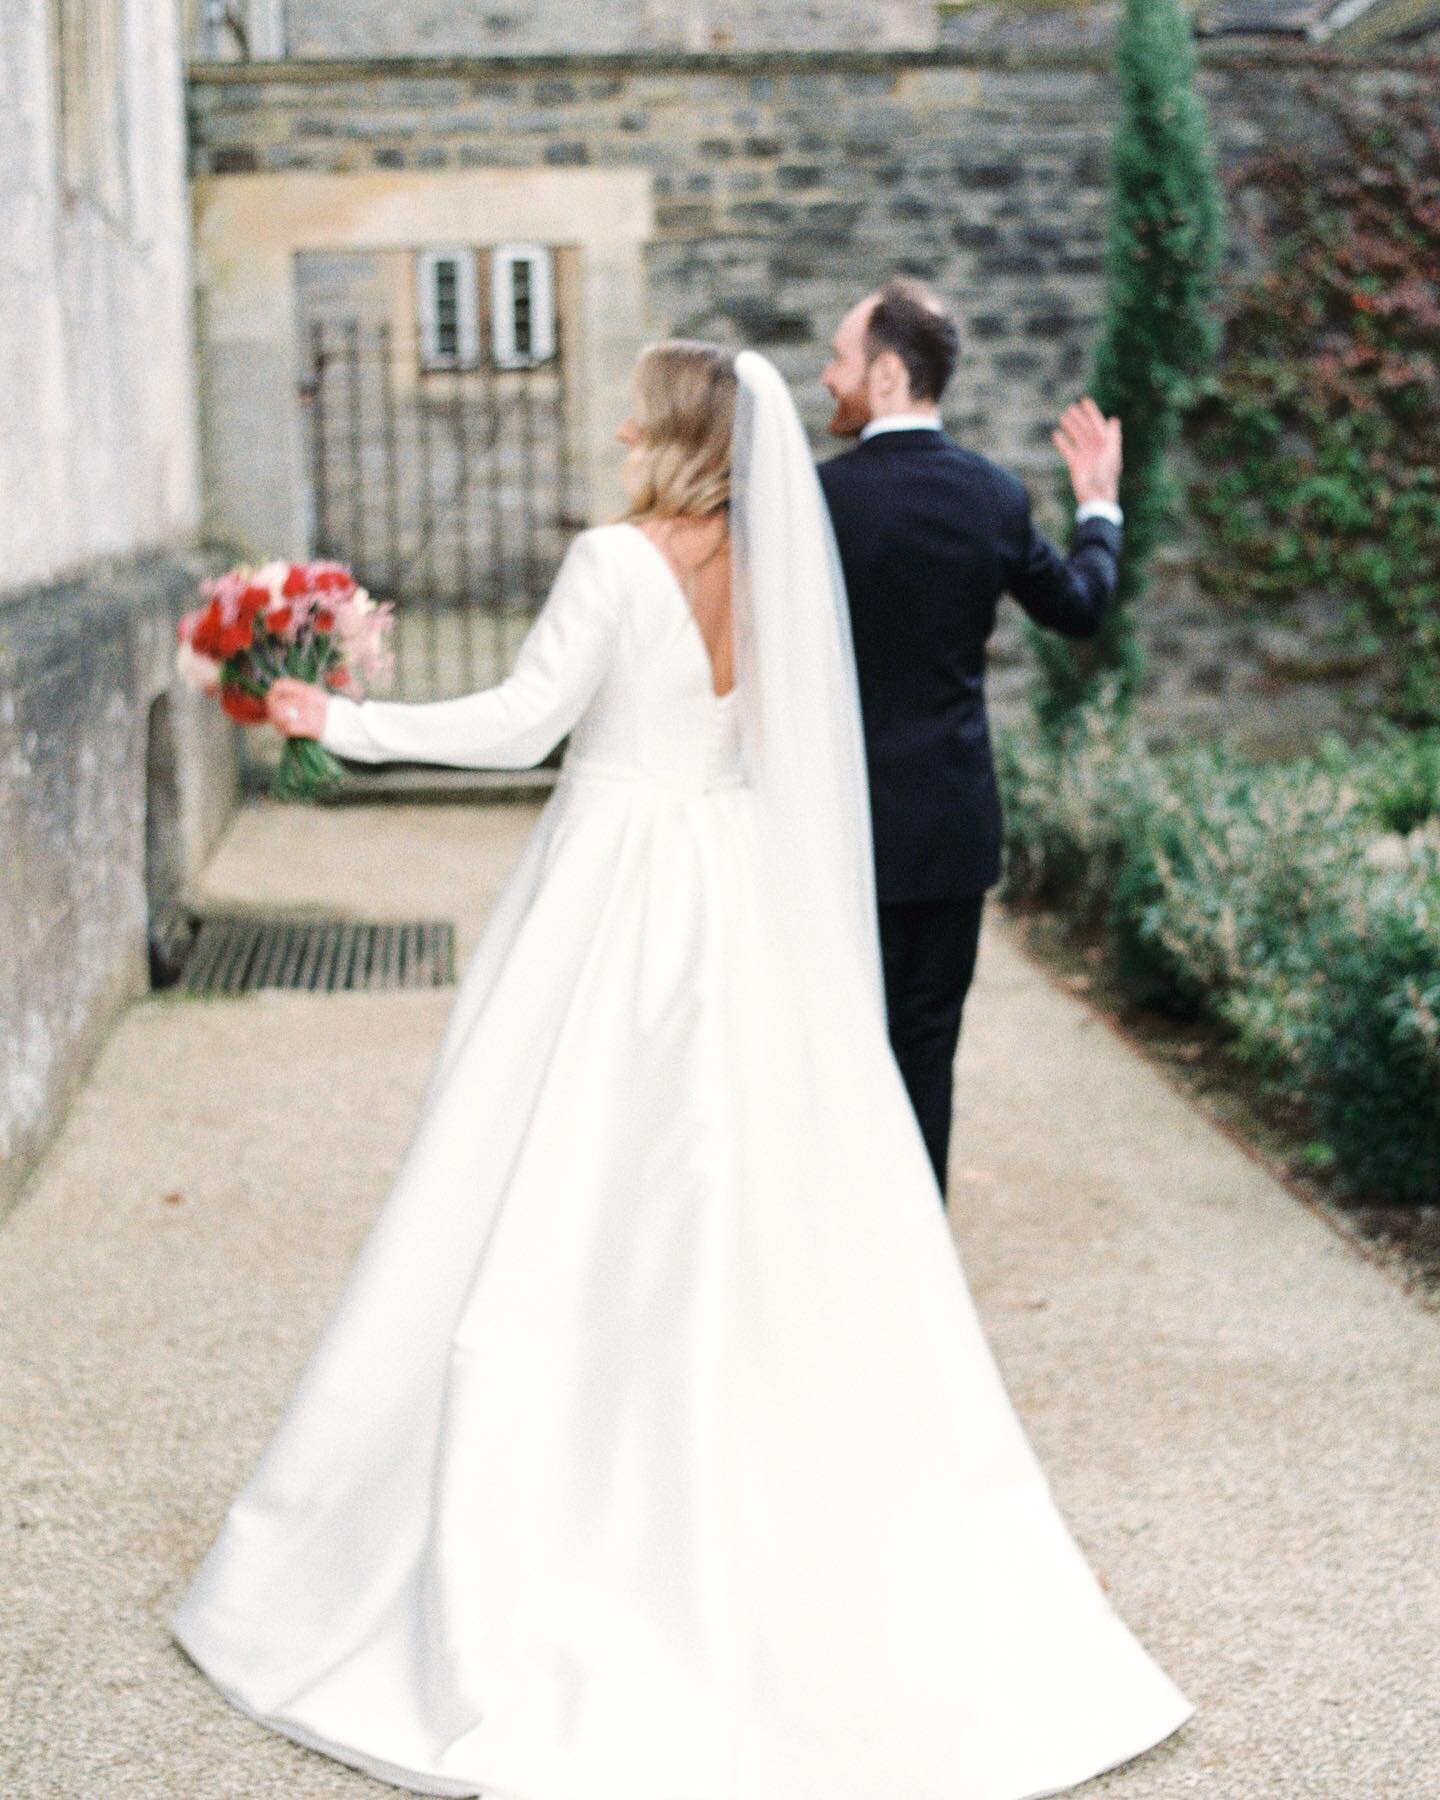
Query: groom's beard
x=850 y=417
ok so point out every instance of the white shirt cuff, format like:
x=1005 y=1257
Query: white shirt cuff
x=1099 y=509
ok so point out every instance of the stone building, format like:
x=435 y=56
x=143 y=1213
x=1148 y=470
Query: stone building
x=422 y=244
x=735 y=171
x=112 y=784
x=250 y=30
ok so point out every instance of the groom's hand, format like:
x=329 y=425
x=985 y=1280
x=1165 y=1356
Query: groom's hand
x=1090 y=444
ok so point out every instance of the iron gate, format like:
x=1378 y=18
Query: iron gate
x=449 y=492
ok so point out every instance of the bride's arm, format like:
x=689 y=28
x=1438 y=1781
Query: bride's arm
x=518 y=722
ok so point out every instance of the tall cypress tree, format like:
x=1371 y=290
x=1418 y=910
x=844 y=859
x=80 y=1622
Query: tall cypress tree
x=1163 y=250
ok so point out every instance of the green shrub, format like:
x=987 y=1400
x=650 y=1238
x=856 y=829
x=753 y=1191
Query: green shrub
x=1070 y=809
x=1374 y=1054
x=1281 y=900
x=1231 y=889
x=1397 y=776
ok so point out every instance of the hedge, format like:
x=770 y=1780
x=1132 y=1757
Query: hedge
x=1297 y=904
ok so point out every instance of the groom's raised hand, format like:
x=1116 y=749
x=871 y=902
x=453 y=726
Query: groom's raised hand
x=1090 y=444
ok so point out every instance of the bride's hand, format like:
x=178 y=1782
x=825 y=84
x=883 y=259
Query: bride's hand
x=296 y=708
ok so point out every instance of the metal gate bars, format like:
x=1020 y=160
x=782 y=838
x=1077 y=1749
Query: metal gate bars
x=447 y=491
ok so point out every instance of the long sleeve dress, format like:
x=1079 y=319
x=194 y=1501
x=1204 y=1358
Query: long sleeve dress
x=653 y=1450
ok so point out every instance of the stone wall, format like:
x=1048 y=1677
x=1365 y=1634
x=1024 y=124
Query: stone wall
x=785 y=185
x=512 y=27
x=114 y=786
x=98 y=451
x=405 y=28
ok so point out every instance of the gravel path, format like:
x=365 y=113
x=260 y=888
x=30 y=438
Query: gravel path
x=1239 y=1414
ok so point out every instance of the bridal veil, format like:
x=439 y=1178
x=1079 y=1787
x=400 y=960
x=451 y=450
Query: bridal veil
x=799 y=696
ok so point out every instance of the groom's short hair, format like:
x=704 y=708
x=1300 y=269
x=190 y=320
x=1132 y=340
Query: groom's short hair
x=911 y=319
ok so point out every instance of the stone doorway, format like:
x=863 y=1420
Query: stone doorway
x=444 y=480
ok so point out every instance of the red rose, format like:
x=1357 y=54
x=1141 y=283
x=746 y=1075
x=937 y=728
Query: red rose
x=324 y=619
x=249 y=709
x=295 y=581
x=207 y=633
x=279 y=617
x=253 y=600
x=337 y=677
x=237 y=636
x=330 y=578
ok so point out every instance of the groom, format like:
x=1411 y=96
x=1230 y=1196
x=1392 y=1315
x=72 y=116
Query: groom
x=931 y=535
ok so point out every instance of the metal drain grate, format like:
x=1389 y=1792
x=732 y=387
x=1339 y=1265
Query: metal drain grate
x=235 y=955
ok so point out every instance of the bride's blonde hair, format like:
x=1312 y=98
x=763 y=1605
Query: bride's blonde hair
x=684 y=393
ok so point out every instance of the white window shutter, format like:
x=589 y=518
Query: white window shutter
x=522 y=284
x=449 y=315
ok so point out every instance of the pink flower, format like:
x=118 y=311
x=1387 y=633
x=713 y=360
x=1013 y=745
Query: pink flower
x=195 y=670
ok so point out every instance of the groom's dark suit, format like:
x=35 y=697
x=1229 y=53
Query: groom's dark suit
x=931 y=535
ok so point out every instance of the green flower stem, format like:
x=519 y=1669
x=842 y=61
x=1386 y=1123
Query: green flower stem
x=306 y=771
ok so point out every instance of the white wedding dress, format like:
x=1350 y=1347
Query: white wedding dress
x=653 y=1450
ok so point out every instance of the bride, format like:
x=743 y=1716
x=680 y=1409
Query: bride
x=653 y=1450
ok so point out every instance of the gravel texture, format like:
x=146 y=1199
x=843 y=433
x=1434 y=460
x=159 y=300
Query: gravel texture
x=1240 y=1414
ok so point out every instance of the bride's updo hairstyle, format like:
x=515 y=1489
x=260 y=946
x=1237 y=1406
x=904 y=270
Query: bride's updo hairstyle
x=684 y=406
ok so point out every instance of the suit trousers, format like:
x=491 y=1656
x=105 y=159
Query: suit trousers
x=928 y=949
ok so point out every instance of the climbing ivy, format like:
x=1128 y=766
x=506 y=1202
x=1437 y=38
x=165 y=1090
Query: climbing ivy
x=1318 y=434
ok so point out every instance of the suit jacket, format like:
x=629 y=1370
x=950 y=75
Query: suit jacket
x=930 y=536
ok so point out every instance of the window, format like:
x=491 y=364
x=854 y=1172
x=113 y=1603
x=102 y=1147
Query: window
x=89 y=102
x=449 y=319
x=522 y=286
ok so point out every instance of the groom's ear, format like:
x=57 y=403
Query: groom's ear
x=887 y=377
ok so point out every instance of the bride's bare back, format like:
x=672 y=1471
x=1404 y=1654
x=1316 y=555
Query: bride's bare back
x=697 y=549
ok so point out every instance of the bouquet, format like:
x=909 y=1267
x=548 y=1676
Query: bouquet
x=309 y=620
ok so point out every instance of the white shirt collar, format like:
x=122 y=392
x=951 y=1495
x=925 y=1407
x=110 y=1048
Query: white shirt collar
x=901 y=422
